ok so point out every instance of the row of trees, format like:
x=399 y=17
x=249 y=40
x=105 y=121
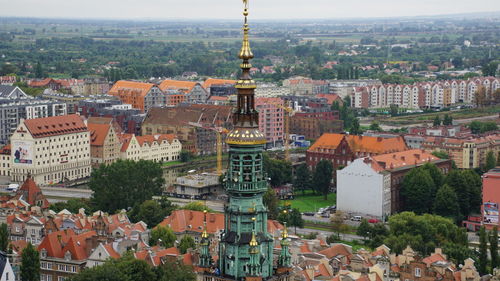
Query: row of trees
x=319 y=181
x=447 y=120
x=348 y=115
x=426 y=190
x=486 y=265
x=423 y=233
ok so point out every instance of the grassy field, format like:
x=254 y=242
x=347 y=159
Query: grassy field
x=311 y=203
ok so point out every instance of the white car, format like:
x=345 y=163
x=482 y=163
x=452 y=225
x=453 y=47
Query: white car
x=13 y=187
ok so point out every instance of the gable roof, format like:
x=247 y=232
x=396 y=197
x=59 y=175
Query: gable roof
x=373 y=145
x=331 y=98
x=337 y=249
x=183 y=86
x=98 y=133
x=130 y=86
x=404 y=158
x=31 y=193
x=213 y=81
x=58 y=243
x=56 y=125
x=6 y=92
x=149 y=139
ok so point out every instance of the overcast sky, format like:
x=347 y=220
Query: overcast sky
x=230 y=9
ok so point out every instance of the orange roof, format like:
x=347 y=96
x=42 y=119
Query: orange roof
x=218 y=98
x=335 y=250
x=5 y=149
x=213 y=81
x=31 y=193
x=56 y=125
x=322 y=271
x=331 y=98
x=373 y=145
x=183 y=86
x=18 y=246
x=433 y=258
x=187 y=220
x=98 y=133
x=130 y=86
x=304 y=248
x=404 y=158
x=112 y=252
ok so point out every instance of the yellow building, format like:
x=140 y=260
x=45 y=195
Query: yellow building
x=159 y=147
x=53 y=149
x=104 y=140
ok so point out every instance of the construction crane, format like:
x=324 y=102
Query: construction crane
x=218 y=132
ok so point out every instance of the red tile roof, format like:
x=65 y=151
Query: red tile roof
x=149 y=139
x=112 y=252
x=183 y=86
x=374 y=145
x=404 y=158
x=56 y=125
x=213 y=81
x=130 y=86
x=335 y=250
x=331 y=98
x=32 y=194
x=98 y=133
x=58 y=243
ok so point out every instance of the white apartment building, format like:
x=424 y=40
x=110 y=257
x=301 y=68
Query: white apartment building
x=159 y=148
x=364 y=188
x=52 y=149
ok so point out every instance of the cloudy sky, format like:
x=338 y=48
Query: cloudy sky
x=229 y=9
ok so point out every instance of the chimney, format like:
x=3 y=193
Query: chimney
x=190 y=215
x=379 y=139
x=403 y=158
x=417 y=156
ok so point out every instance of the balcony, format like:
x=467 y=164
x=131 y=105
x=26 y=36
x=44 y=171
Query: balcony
x=249 y=187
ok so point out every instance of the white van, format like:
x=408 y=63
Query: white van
x=356 y=218
x=13 y=187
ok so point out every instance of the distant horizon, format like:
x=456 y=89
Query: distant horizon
x=454 y=15
x=270 y=10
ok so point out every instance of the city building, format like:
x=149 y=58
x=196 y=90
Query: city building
x=220 y=87
x=315 y=124
x=12 y=93
x=194 y=125
x=193 y=91
x=467 y=152
x=158 y=147
x=271 y=120
x=6 y=271
x=271 y=90
x=8 y=80
x=344 y=88
x=342 y=149
x=31 y=193
x=5 y=160
x=105 y=143
x=140 y=95
x=489 y=217
x=53 y=149
x=197 y=186
x=371 y=185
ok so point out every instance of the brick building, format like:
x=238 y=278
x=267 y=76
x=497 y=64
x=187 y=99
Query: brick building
x=271 y=120
x=342 y=149
x=104 y=140
x=142 y=96
x=313 y=125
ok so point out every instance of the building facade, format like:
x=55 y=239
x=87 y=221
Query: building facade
x=271 y=120
x=52 y=150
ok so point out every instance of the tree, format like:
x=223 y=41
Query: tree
x=272 y=202
x=437 y=121
x=394 y=109
x=187 y=242
x=417 y=191
x=480 y=96
x=39 y=71
x=436 y=175
x=483 y=251
x=338 y=222
x=186 y=156
x=73 y=205
x=478 y=127
x=441 y=154
x=279 y=171
x=174 y=271
x=197 y=206
x=355 y=127
x=30 y=264
x=494 y=248
x=375 y=126
x=446 y=203
x=4 y=238
x=491 y=161
x=125 y=183
x=292 y=217
x=302 y=178
x=322 y=177
x=364 y=229
x=467 y=187
x=151 y=212
x=162 y=235
x=448 y=120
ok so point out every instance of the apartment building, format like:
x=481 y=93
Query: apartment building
x=193 y=91
x=52 y=149
x=104 y=140
x=158 y=147
x=271 y=120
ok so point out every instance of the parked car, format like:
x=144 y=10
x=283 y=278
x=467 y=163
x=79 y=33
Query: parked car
x=356 y=218
x=373 y=221
x=13 y=187
x=308 y=214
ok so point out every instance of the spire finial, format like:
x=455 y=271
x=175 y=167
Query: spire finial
x=205 y=233
x=253 y=242
x=285 y=231
x=245 y=52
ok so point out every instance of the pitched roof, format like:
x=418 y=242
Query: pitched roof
x=149 y=139
x=404 y=158
x=183 y=86
x=374 y=145
x=213 y=81
x=130 y=86
x=181 y=116
x=331 y=98
x=58 y=243
x=335 y=250
x=111 y=251
x=56 y=125
x=31 y=193
x=98 y=133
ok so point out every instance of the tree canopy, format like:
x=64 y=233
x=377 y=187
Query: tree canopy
x=322 y=177
x=125 y=183
x=280 y=171
x=30 y=264
x=151 y=212
x=162 y=235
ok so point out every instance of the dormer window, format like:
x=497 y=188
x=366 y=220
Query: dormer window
x=67 y=256
x=43 y=253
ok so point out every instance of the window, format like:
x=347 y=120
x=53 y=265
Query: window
x=417 y=272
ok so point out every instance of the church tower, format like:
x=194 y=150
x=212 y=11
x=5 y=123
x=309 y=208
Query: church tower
x=246 y=248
